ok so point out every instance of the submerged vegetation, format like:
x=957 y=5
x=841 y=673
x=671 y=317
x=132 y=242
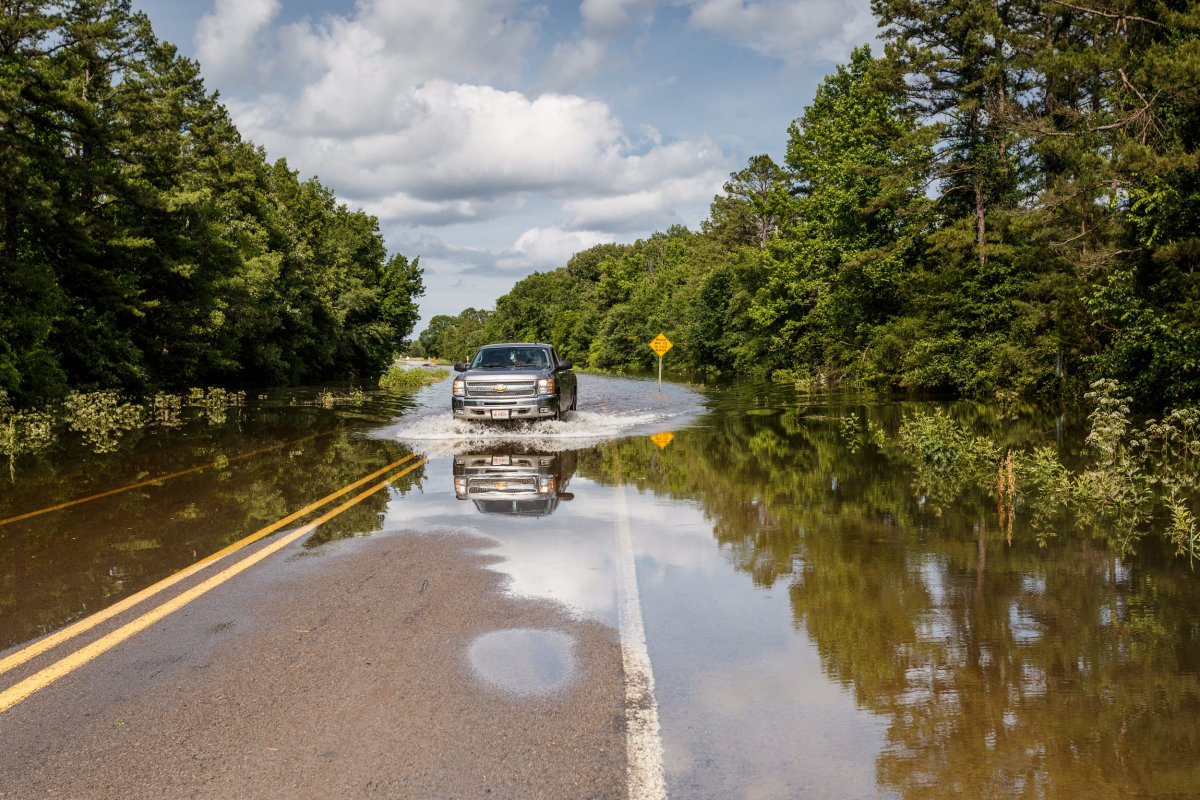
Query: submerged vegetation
x=327 y=398
x=1133 y=479
x=101 y=419
x=967 y=468
x=23 y=431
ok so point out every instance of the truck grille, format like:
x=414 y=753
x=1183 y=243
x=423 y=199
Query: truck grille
x=522 y=484
x=492 y=462
x=493 y=388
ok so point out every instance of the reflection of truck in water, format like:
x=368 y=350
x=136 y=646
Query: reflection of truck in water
x=525 y=484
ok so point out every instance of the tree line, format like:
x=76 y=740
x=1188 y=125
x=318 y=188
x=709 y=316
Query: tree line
x=1007 y=200
x=145 y=245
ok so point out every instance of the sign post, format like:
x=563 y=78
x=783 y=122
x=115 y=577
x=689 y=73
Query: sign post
x=660 y=345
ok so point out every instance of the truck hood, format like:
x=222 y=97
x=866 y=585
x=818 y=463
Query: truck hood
x=503 y=375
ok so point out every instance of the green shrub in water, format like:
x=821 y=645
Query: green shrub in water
x=398 y=378
x=1139 y=479
x=102 y=418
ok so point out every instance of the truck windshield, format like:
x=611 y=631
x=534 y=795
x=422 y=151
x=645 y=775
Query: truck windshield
x=511 y=358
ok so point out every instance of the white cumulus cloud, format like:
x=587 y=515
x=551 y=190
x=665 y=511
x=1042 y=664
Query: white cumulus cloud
x=610 y=17
x=548 y=248
x=407 y=42
x=792 y=30
x=469 y=152
x=423 y=115
x=227 y=38
x=571 y=62
x=638 y=210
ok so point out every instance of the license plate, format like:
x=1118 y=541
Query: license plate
x=500 y=413
x=501 y=461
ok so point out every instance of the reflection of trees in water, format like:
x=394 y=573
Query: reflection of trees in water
x=1038 y=678
x=67 y=564
x=1004 y=670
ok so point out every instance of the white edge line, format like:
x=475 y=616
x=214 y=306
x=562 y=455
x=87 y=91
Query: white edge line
x=643 y=743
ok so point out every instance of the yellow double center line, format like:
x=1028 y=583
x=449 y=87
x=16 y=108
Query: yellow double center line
x=39 y=680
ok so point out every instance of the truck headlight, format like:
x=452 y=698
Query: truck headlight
x=460 y=388
x=546 y=386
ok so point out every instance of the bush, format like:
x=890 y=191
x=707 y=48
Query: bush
x=401 y=378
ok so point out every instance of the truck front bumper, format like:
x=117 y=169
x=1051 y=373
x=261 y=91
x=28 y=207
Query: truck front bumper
x=540 y=407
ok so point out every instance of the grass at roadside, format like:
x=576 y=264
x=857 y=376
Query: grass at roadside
x=397 y=378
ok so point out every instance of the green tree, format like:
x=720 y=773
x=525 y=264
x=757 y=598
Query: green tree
x=401 y=283
x=754 y=206
x=962 y=60
x=29 y=128
x=1137 y=245
x=431 y=338
x=837 y=271
x=1004 y=203
x=457 y=338
x=145 y=245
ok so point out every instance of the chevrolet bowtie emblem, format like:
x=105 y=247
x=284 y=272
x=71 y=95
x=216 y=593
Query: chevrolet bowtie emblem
x=500 y=387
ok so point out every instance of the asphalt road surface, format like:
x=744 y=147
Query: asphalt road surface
x=394 y=665
x=343 y=674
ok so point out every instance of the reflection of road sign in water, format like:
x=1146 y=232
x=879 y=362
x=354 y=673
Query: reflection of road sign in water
x=661 y=345
x=663 y=439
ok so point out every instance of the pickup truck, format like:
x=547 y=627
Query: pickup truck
x=514 y=382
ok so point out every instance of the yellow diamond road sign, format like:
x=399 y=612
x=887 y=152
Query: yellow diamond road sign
x=661 y=345
x=663 y=439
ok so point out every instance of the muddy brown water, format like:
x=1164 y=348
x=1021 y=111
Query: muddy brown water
x=819 y=623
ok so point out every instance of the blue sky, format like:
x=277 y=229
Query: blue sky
x=494 y=138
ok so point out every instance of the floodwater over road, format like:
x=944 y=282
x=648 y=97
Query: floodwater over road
x=820 y=621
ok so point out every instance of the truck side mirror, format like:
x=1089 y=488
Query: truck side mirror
x=460 y=366
x=565 y=365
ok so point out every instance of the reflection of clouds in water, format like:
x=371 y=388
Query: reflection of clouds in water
x=733 y=677
x=524 y=660
x=668 y=536
x=570 y=558
x=761 y=696
x=567 y=558
x=570 y=564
